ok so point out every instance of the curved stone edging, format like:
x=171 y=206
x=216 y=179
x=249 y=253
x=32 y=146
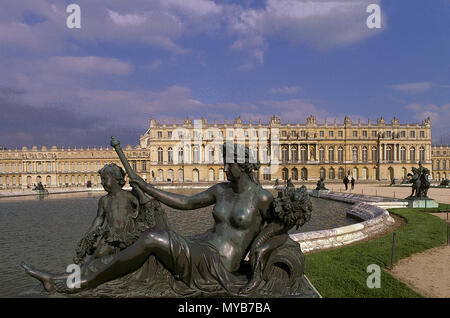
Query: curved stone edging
x=375 y=219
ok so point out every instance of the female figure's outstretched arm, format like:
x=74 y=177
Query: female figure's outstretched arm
x=178 y=201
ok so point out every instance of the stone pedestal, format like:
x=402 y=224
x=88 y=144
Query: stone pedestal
x=316 y=193
x=422 y=203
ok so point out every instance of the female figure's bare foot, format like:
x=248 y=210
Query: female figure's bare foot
x=45 y=278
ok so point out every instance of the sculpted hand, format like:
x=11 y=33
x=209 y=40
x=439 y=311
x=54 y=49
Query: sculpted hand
x=137 y=182
x=114 y=142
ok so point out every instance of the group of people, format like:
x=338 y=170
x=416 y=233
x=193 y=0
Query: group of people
x=347 y=181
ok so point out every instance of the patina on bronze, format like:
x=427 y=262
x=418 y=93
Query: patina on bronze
x=248 y=221
x=420 y=183
x=321 y=184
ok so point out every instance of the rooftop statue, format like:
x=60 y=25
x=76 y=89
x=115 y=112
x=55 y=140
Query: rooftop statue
x=249 y=221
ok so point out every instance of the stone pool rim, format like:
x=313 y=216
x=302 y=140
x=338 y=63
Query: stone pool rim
x=371 y=211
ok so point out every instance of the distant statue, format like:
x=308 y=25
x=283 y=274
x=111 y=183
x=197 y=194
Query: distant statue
x=321 y=184
x=420 y=183
x=40 y=188
x=247 y=219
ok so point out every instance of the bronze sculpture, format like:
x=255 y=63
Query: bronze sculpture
x=321 y=184
x=248 y=220
x=420 y=183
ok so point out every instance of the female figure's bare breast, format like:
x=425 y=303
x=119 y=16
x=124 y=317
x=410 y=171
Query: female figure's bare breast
x=238 y=219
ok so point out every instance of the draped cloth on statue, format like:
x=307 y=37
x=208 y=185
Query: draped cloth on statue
x=197 y=268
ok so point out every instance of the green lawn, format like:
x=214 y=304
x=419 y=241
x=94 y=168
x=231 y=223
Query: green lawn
x=342 y=272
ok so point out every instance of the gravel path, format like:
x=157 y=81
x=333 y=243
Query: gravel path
x=428 y=272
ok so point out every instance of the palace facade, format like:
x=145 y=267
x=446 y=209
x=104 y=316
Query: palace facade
x=192 y=152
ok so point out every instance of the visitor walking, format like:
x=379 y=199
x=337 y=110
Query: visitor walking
x=346 y=182
x=353 y=183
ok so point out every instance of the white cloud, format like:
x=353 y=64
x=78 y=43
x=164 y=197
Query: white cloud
x=321 y=24
x=90 y=64
x=285 y=90
x=126 y=19
x=439 y=115
x=416 y=87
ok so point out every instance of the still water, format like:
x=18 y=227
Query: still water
x=45 y=231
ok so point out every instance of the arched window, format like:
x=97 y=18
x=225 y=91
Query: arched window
x=294 y=154
x=331 y=173
x=303 y=154
x=322 y=173
x=180 y=175
x=438 y=165
x=412 y=154
x=211 y=174
x=364 y=173
x=422 y=154
x=341 y=154
x=170 y=175
x=374 y=154
x=180 y=155
x=294 y=174
x=321 y=154
x=195 y=175
x=304 y=174
x=160 y=175
x=221 y=178
x=364 y=154
x=196 y=155
x=211 y=154
x=354 y=154
x=160 y=155
x=170 y=155
x=330 y=154
x=284 y=174
x=389 y=154
x=284 y=154
x=403 y=154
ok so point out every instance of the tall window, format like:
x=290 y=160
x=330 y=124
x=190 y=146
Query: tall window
x=303 y=154
x=422 y=154
x=364 y=154
x=322 y=173
x=331 y=173
x=180 y=155
x=170 y=155
x=331 y=154
x=160 y=155
x=374 y=154
x=341 y=173
x=355 y=154
x=412 y=154
x=403 y=154
x=389 y=154
x=284 y=154
x=340 y=154
x=211 y=154
x=196 y=155
x=321 y=154
x=294 y=154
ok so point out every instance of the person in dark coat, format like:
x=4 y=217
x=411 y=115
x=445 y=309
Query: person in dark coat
x=353 y=183
x=346 y=182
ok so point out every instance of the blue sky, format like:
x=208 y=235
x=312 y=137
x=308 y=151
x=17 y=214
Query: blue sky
x=171 y=59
